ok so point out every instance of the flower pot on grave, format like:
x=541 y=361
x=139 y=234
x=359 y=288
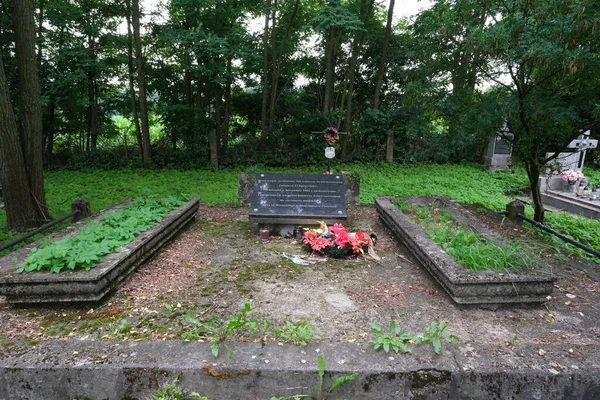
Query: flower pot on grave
x=571 y=187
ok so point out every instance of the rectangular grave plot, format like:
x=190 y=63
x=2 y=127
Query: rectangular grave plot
x=462 y=285
x=302 y=198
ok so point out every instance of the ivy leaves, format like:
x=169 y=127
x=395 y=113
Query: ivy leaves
x=98 y=239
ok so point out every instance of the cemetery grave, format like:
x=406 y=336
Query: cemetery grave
x=218 y=265
x=467 y=286
x=556 y=192
x=28 y=278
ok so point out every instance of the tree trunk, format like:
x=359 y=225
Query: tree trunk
x=329 y=69
x=40 y=33
x=276 y=64
x=139 y=59
x=134 y=113
x=214 y=148
x=227 y=117
x=365 y=11
x=265 y=78
x=49 y=130
x=389 y=153
x=533 y=173
x=382 y=61
x=187 y=84
x=29 y=102
x=380 y=74
x=21 y=210
x=218 y=121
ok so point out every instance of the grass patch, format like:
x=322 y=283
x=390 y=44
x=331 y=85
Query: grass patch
x=465 y=183
x=469 y=249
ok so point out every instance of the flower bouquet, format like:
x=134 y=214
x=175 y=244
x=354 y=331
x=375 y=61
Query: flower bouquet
x=571 y=177
x=335 y=242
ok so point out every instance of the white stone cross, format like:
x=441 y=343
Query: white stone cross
x=575 y=158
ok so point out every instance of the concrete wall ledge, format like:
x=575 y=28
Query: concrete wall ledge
x=463 y=286
x=92 y=285
x=58 y=370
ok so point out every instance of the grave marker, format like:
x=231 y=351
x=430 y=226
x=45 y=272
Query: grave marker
x=298 y=199
x=499 y=151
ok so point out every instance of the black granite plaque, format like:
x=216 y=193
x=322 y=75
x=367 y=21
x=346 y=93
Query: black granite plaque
x=287 y=198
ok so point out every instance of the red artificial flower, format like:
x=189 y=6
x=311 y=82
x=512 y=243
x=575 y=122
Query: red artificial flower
x=360 y=236
x=309 y=236
x=342 y=239
x=337 y=229
x=319 y=243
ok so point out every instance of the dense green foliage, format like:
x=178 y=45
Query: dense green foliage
x=99 y=238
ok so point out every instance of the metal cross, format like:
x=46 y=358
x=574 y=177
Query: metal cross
x=329 y=150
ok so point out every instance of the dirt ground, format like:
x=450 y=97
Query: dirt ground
x=217 y=264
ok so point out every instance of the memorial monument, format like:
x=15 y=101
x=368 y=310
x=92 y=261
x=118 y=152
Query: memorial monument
x=300 y=199
x=498 y=156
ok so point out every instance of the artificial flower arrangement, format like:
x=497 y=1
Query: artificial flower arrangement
x=571 y=176
x=335 y=241
x=331 y=135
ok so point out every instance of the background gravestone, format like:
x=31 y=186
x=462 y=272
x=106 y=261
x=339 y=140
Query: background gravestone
x=498 y=156
x=573 y=159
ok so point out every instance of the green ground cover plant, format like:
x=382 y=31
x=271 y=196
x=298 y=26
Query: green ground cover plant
x=99 y=238
x=172 y=391
x=219 y=331
x=396 y=340
x=469 y=249
x=465 y=183
x=299 y=333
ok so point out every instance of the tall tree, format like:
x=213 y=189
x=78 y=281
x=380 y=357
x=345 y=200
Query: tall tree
x=131 y=79
x=380 y=75
x=550 y=53
x=366 y=8
x=21 y=155
x=139 y=58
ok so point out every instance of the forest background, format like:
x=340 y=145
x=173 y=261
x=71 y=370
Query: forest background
x=200 y=84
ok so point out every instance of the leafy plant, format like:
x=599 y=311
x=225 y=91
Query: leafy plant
x=173 y=392
x=299 y=333
x=318 y=392
x=121 y=328
x=435 y=334
x=97 y=239
x=395 y=339
x=219 y=331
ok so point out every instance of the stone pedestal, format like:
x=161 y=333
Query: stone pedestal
x=83 y=207
x=513 y=208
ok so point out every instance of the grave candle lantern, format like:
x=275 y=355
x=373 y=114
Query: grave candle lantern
x=330 y=152
x=264 y=235
x=594 y=194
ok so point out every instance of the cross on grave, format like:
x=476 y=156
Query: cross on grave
x=331 y=135
x=574 y=157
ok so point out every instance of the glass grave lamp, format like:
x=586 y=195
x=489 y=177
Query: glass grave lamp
x=330 y=152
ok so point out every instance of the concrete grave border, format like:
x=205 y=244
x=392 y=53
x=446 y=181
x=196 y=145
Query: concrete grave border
x=463 y=286
x=92 y=285
x=65 y=369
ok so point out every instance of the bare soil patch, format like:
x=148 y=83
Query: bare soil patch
x=217 y=264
